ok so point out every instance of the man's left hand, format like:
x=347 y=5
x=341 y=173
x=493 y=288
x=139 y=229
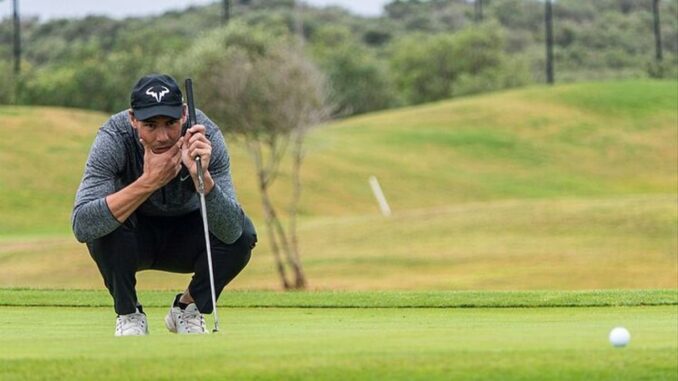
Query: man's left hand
x=196 y=144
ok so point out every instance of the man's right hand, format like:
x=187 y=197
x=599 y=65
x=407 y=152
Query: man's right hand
x=161 y=168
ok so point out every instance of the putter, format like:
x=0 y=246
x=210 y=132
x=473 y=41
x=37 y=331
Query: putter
x=203 y=208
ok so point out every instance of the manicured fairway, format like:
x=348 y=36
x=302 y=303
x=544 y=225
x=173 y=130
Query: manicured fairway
x=311 y=341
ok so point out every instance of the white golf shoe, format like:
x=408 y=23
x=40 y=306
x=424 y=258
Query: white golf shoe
x=133 y=324
x=186 y=321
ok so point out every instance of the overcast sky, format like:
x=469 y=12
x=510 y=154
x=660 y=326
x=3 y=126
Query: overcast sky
x=47 y=9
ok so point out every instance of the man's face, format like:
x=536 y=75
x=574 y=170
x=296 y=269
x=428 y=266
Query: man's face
x=160 y=132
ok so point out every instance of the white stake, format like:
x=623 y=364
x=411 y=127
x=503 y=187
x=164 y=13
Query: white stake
x=381 y=199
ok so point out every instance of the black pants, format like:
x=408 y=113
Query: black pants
x=174 y=244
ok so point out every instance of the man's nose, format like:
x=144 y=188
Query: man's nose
x=162 y=135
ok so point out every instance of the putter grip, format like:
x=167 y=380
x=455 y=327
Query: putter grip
x=192 y=120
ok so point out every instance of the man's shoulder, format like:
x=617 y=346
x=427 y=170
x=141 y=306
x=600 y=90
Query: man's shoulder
x=118 y=124
x=212 y=130
x=115 y=136
x=203 y=119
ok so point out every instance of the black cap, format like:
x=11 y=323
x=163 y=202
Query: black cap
x=156 y=94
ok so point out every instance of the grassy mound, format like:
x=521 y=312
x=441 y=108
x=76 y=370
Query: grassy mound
x=569 y=187
x=573 y=140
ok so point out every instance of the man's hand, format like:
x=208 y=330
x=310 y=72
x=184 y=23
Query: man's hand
x=195 y=144
x=161 y=168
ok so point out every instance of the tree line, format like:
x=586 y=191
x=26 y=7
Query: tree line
x=418 y=51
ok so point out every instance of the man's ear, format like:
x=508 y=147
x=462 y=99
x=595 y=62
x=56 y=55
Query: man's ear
x=184 y=114
x=132 y=119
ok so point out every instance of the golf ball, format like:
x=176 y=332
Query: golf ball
x=619 y=337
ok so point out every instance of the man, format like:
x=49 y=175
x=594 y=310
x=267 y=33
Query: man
x=137 y=209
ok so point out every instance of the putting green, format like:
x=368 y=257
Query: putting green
x=312 y=343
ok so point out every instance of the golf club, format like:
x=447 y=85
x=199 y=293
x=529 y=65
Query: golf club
x=203 y=208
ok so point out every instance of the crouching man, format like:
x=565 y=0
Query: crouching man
x=137 y=208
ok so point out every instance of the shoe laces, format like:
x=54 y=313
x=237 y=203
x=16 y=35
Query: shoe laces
x=192 y=319
x=134 y=320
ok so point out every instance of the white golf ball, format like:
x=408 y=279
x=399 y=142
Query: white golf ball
x=619 y=337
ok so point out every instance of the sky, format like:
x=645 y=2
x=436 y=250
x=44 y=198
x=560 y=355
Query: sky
x=49 y=9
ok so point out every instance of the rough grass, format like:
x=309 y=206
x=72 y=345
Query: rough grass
x=625 y=242
x=522 y=144
x=396 y=341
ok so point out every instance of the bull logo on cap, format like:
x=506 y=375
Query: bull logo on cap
x=157 y=94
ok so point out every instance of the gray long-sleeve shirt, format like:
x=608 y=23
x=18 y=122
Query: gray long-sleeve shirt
x=116 y=159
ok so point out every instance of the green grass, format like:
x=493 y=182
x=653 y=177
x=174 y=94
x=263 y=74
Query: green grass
x=630 y=98
x=398 y=340
x=18 y=297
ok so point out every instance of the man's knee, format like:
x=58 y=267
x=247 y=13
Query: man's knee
x=247 y=240
x=249 y=233
x=240 y=251
x=116 y=249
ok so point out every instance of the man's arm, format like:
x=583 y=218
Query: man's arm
x=91 y=216
x=225 y=217
x=100 y=208
x=159 y=169
x=124 y=202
